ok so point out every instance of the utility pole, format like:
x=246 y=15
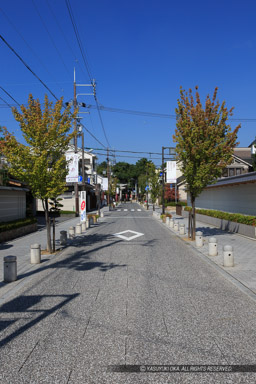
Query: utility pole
x=108 y=176
x=163 y=205
x=75 y=130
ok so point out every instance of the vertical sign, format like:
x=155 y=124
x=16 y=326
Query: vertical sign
x=83 y=206
x=72 y=176
x=171 y=172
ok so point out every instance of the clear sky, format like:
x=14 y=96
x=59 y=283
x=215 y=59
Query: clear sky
x=140 y=53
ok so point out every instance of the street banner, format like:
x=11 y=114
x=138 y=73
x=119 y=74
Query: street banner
x=105 y=184
x=171 y=172
x=83 y=206
x=72 y=176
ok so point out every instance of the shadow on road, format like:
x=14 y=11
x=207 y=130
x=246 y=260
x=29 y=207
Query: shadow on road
x=28 y=305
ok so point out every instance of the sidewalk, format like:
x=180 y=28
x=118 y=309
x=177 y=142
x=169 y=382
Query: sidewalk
x=244 y=271
x=20 y=248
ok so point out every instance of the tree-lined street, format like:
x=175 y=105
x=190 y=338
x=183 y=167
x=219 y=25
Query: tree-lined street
x=107 y=300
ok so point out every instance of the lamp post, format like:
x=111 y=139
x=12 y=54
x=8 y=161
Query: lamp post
x=172 y=154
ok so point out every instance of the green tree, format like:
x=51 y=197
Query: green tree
x=102 y=168
x=205 y=143
x=41 y=163
x=155 y=185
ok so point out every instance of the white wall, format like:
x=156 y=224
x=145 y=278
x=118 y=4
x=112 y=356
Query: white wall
x=234 y=199
x=12 y=204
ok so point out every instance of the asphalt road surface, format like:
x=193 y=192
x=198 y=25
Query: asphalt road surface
x=140 y=300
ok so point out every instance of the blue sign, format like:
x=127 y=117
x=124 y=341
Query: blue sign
x=147 y=188
x=161 y=173
x=88 y=180
x=80 y=179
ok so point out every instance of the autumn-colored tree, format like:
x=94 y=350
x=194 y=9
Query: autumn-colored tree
x=170 y=194
x=41 y=163
x=205 y=143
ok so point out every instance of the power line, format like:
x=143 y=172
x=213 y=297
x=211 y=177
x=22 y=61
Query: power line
x=127 y=151
x=71 y=15
x=28 y=67
x=29 y=47
x=7 y=93
x=127 y=156
x=50 y=36
x=63 y=34
x=6 y=102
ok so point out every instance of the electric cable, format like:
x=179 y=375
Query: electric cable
x=50 y=36
x=27 y=66
x=7 y=93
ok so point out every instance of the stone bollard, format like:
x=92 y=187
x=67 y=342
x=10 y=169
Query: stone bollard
x=176 y=225
x=87 y=223
x=171 y=223
x=78 y=229
x=63 y=237
x=167 y=221
x=182 y=229
x=71 y=232
x=35 y=254
x=199 y=239
x=213 y=250
x=228 y=256
x=83 y=226
x=10 y=268
x=102 y=214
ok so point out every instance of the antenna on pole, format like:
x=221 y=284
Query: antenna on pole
x=74 y=74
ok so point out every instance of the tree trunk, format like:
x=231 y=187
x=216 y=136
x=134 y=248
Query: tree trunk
x=48 y=225
x=193 y=221
x=153 y=206
x=53 y=234
x=189 y=223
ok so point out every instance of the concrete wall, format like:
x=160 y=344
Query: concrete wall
x=235 y=199
x=12 y=204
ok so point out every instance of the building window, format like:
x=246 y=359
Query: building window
x=225 y=173
x=238 y=171
x=231 y=172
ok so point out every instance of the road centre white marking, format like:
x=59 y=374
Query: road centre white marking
x=121 y=235
x=139 y=210
x=125 y=210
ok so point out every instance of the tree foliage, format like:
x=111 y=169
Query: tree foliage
x=205 y=141
x=41 y=163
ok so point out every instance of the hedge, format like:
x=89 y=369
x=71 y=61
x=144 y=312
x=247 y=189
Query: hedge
x=235 y=217
x=173 y=204
x=8 y=226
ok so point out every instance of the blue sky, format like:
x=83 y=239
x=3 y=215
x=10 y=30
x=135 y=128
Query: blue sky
x=140 y=53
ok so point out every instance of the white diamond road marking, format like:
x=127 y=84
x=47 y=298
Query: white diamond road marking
x=136 y=234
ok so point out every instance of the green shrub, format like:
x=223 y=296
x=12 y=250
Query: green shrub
x=235 y=217
x=173 y=204
x=9 y=225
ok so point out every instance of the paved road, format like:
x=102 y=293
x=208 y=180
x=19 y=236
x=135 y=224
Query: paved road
x=141 y=300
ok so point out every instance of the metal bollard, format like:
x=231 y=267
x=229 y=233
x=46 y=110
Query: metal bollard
x=87 y=223
x=171 y=223
x=213 y=250
x=199 y=239
x=83 y=226
x=228 y=255
x=78 y=229
x=182 y=229
x=167 y=221
x=10 y=268
x=63 y=237
x=71 y=232
x=102 y=214
x=176 y=225
x=35 y=254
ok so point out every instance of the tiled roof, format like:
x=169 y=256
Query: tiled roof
x=241 y=179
